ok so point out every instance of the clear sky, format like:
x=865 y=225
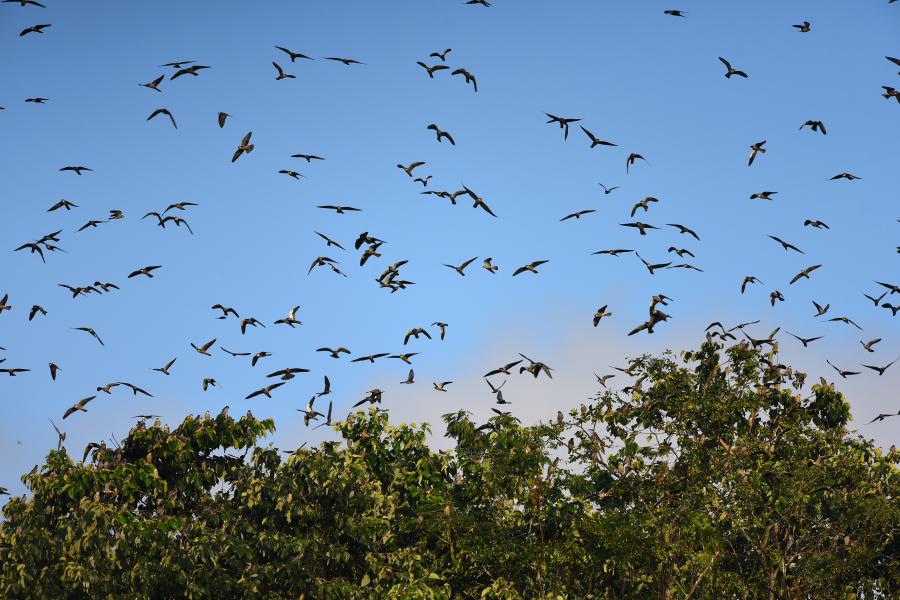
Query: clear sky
x=649 y=82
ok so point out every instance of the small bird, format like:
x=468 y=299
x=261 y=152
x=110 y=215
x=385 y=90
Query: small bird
x=373 y=397
x=786 y=245
x=847 y=176
x=820 y=310
x=489 y=266
x=845 y=321
x=345 y=61
x=415 y=333
x=208 y=382
x=153 y=85
x=805 y=341
x=441 y=386
x=290 y=173
x=841 y=372
x=756 y=149
x=78 y=406
x=148 y=271
x=815 y=223
x=442 y=328
x=227 y=351
x=371 y=358
x=607 y=191
x=34 y=29
x=192 y=70
x=431 y=70
x=336 y=353
x=613 y=252
x=683 y=229
x=731 y=70
x=815 y=126
x=54 y=369
x=563 y=122
x=294 y=55
x=221 y=119
x=504 y=369
x=881 y=370
x=631 y=160
x=468 y=77
x=578 y=215
x=88 y=330
x=412 y=166
x=62 y=204
x=641 y=227
x=76 y=170
x=341 y=210
x=266 y=391
x=802 y=27
x=245 y=146
x=409 y=378
x=462 y=267
x=601 y=312
x=776 y=295
x=281 y=74
x=165 y=370
x=249 y=321
x=404 y=357
x=875 y=300
x=35 y=309
x=674 y=13
x=681 y=252
x=804 y=273
x=762 y=195
x=652 y=267
x=532 y=267
x=45 y=100
x=24 y=3
x=163 y=111
x=259 y=355
x=441 y=134
x=748 y=279
x=595 y=141
x=291 y=318
x=204 y=349
x=441 y=55
x=868 y=345
x=307 y=157
x=484 y=3
x=288 y=374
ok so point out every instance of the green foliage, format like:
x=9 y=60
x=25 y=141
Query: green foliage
x=711 y=478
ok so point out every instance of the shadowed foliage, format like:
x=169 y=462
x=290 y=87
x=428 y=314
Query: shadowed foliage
x=712 y=477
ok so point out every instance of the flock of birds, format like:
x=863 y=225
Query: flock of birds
x=367 y=246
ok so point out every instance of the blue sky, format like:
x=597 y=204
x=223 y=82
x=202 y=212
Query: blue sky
x=649 y=82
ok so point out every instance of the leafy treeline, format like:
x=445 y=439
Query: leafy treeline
x=711 y=477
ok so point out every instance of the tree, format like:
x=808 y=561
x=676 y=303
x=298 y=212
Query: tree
x=711 y=476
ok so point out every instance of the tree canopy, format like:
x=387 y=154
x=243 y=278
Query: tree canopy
x=711 y=476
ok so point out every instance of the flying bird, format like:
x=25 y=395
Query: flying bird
x=245 y=146
x=563 y=122
x=731 y=70
x=78 y=406
x=163 y=111
x=34 y=29
x=756 y=149
x=294 y=55
x=532 y=267
x=281 y=74
x=91 y=332
x=441 y=134
x=468 y=77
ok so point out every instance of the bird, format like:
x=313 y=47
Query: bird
x=404 y=357
x=505 y=369
x=847 y=176
x=265 y=391
x=595 y=141
x=433 y=69
x=62 y=204
x=531 y=267
x=227 y=351
x=484 y=3
x=221 y=119
x=411 y=167
x=608 y=190
x=845 y=321
x=535 y=368
x=489 y=266
x=634 y=156
x=478 y=201
x=307 y=157
x=645 y=204
x=345 y=61
x=89 y=331
x=294 y=55
x=805 y=341
x=154 y=85
x=731 y=70
x=34 y=29
x=820 y=310
x=868 y=345
x=883 y=416
x=245 y=146
x=762 y=195
x=468 y=77
x=462 y=267
x=841 y=372
x=76 y=170
x=681 y=252
x=204 y=349
x=441 y=134
x=786 y=245
x=674 y=13
x=804 y=273
x=78 y=406
x=442 y=328
x=249 y=321
x=601 y=312
x=54 y=369
x=409 y=378
x=641 y=227
x=652 y=267
x=441 y=55
x=563 y=122
x=208 y=382
x=802 y=27
x=815 y=126
x=578 y=215
x=163 y=111
x=45 y=100
x=341 y=210
x=288 y=374
x=875 y=300
x=756 y=149
x=815 y=223
x=258 y=356
x=748 y=279
x=148 y=271
x=24 y=3
x=775 y=295
x=371 y=358
x=683 y=229
x=191 y=70
x=290 y=173
x=335 y=353
x=881 y=370
x=179 y=206
x=373 y=397
x=440 y=387
x=35 y=309
x=225 y=311
x=281 y=74
x=178 y=64
x=165 y=369
x=291 y=318
x=614 y=252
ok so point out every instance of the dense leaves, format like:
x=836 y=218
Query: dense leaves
x=711 y=476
